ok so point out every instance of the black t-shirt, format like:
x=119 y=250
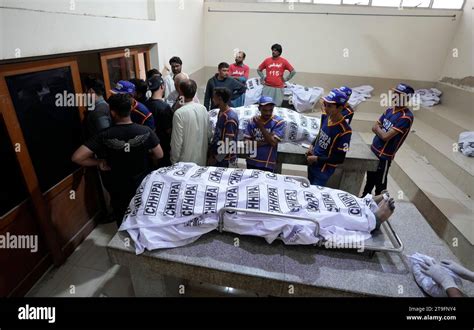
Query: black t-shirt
x=126 y=150
x=163 y=116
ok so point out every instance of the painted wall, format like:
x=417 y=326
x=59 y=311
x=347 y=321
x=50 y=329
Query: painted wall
x=45 y=27
x=462 y=43
x=391 y=47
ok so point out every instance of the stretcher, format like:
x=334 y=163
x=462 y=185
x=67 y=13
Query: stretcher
x=384 y=239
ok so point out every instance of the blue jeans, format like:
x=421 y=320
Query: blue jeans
x=318 y=178
x=238 y=102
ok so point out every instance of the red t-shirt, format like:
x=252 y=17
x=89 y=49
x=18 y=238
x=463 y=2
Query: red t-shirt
x=238 y=71
x=275 y=70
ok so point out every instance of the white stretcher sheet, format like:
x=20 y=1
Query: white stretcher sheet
x=175 y=205
x=299 y=128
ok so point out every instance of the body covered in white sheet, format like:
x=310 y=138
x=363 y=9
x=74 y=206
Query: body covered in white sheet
x=175 y=205
x=299 y=128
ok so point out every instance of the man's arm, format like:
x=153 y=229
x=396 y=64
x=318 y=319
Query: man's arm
x=290 y=76
x=238 y=88
x=156 y=152
x=207 y=95
x=385 y=136
x=176 y=138
x=84 y=156
x=262 y=76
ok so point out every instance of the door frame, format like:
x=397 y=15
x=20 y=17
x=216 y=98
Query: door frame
x=7 y=111
x=134 y=51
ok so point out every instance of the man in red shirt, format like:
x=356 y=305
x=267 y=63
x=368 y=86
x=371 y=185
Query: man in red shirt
x=240 y=72
x=274 y=81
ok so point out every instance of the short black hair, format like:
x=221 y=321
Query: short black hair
x=224 y=93
x=140 y=85
x=95 y=84
x=176 y=59
x=278 y=48
x=152 y=72
x=188 y=87
x=121 y=104
x=223 y=65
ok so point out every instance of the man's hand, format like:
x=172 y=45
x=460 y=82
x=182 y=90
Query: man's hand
x=309 y=152
x=375 y=127
x=259 y=122
x=311 y=159
x=103 y=166
x=458 y=269
x=438 y=274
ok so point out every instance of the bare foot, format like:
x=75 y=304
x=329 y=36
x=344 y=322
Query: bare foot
x=377 y=199
x=385 y=210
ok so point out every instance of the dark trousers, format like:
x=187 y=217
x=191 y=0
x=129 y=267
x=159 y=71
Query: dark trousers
x=319 y=178
x=377 y=179
x=253 y=167
x=122 y=190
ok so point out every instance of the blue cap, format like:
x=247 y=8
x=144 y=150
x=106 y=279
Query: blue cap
x=336 y=96
x=124 y=87
x=404 y=89
x=264 y=100
x=346 y=90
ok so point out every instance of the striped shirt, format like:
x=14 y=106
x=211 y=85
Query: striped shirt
x=266 y=154
x=400 y=121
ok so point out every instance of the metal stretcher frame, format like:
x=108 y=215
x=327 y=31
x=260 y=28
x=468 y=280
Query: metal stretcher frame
x=375 y=243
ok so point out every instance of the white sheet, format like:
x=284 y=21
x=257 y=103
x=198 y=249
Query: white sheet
x=175 y=205
x=299 y=128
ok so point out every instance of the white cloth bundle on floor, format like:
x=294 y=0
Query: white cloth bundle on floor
x=466 y=143
x=428 y=97
x=254 y=91
x=303 y=98
x=299 y=128
x=426 y=282
x=360 y=94
x=175 y=205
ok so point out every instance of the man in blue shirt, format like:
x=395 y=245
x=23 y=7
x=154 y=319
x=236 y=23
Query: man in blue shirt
x=390 y=130
x=267 y=130
x=332 y=143
x=226 y=132
x=140 y=113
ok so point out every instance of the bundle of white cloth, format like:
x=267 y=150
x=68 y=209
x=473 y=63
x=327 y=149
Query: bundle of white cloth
x=425 y=282
x=175 y=205
x=303 y=98
x=428 y=97
x=299 y=128
x=360 y=94
x=466 y=143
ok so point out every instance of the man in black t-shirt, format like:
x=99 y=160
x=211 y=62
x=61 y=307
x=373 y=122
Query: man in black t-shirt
x=124 y=150
x=163 y=116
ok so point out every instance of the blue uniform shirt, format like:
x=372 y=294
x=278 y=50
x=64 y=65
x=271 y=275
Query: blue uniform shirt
x=348 y=113
x=400 y=121
x=332 y=143
x=266 y=154
x=227 y=127
x=141 y=115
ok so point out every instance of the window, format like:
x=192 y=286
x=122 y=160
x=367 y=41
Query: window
x=52 y=132
x=441 y=4
x=121 y=68
x=386 y=3
x=12 y=189
x=448 y=4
